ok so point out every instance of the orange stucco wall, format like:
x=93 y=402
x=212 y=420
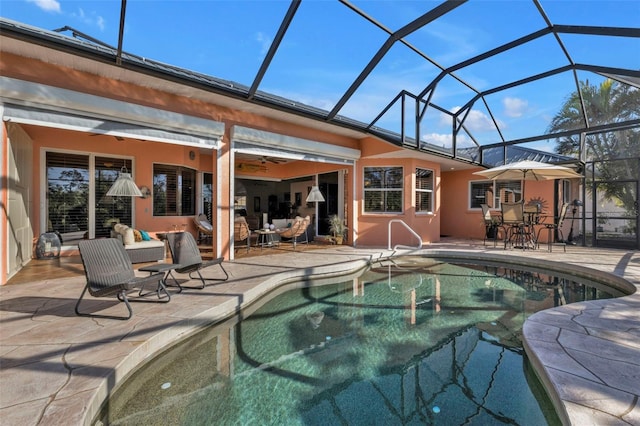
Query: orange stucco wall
x=458 y=220
x=372 y=228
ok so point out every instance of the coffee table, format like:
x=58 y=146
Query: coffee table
x=265 y=238
x=167 y=268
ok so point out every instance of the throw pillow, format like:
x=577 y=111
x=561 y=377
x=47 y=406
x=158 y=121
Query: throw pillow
x=120 y=228
x=137 y=236
x=145 y=235
x=128 y=238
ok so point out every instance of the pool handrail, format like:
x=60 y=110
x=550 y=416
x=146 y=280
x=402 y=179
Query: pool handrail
x=397 y=246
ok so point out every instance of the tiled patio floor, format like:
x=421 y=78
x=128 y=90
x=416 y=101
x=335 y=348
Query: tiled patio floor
x=57 y=368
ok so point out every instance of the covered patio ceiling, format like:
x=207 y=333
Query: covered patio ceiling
x=416 y=74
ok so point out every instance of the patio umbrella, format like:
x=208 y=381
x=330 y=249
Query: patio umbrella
x=528 y=170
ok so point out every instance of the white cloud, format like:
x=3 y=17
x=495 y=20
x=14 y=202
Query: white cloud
x=515 y=107
x=100 y=23
x=445 y=140
x=474 y=121
x=90 y=19
x=47 y=5
x=265 y=43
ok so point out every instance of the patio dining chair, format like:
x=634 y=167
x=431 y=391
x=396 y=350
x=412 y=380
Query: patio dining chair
x=109 y=273
x=553 y=228
x=514 y=224
x=184 y=251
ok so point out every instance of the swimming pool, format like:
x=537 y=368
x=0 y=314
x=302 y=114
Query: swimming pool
x=411 y=341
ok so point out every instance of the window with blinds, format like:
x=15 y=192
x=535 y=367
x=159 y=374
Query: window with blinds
x=383 y=189
x=424 y=190
x=174 y=190
x=110 y=210
x=67 y=194
x=494 y=193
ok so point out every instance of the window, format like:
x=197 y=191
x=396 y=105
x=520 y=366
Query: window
x=110 y=210
x=493 y=193
x=69 y=188
x=174 y=191
x=424 y=190
x=383 y=189
x=67 y=194
x=481 y=193
x=207 y=195
x=566 y=191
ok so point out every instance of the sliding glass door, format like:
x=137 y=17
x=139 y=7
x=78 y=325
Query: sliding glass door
x=109 y=210
x=72 y=182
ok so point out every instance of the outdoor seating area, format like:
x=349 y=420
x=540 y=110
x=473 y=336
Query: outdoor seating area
x=523 y=226
x=109 y=272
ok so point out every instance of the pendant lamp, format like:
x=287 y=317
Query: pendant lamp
x=124 y=186
x=315 y=195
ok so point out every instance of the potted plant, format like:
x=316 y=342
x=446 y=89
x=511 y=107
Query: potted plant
x=492 y=228
x=337 y=228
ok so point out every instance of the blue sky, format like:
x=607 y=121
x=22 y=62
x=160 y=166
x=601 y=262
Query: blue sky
x=328 y=45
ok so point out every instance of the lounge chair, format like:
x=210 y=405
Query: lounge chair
x=241 y=232
x=109 y=272
x=297 y=229
x=204 y=227
x=185 y=252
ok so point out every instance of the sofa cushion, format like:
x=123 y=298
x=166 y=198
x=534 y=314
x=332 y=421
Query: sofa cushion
x=281 y=223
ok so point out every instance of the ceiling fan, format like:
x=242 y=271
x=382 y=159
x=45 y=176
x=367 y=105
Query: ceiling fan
x=273 y=160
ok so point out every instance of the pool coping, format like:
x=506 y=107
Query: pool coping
x=77 y=398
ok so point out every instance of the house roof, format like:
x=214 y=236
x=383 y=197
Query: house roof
x=424 y=65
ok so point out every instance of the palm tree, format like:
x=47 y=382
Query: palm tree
x=616 y=152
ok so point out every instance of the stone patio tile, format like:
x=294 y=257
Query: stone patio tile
x=619 y=374
x=25 y=414
x=582 y=416
x=614 y=318
x=595 y=396
x=552 y=356
x=542 y=332
x=632 y=340
x=33 y=381
x=607 y=349
x=67 y=411
x=87 y=354
x=87 y=378
x=32 y=353
x=633 y=416
x=557 y=318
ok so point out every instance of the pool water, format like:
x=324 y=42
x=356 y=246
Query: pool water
x=414 y=341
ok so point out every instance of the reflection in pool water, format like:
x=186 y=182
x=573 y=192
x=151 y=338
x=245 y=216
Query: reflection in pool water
x=415 y=341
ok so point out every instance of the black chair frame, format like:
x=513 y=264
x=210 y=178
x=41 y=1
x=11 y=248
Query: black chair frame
x=109 y=272
x=184 y=251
